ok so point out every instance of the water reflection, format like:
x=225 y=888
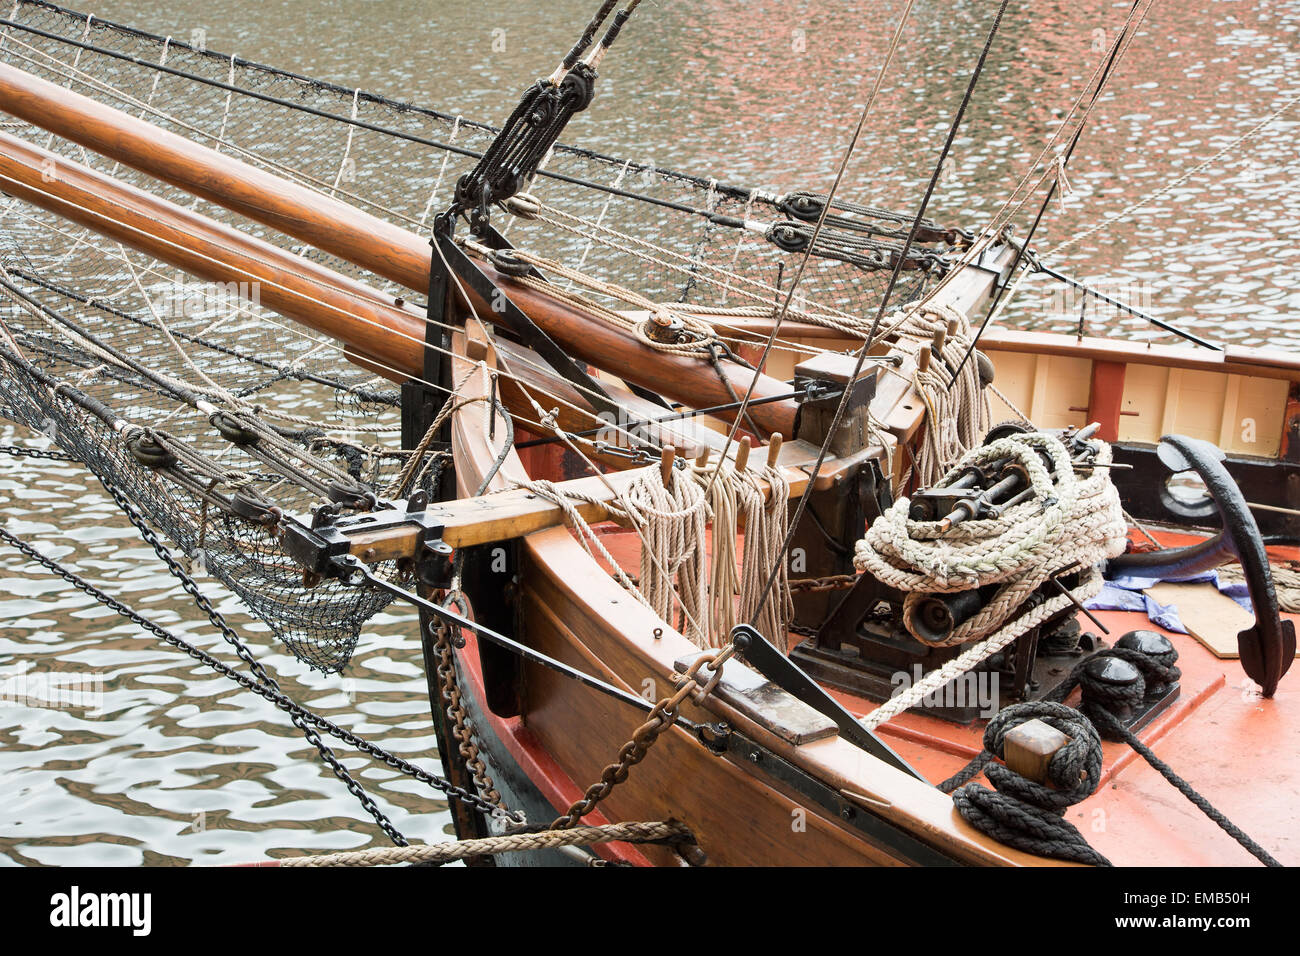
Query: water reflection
x=182 y=766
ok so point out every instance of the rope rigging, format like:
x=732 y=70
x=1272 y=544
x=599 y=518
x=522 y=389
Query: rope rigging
x=794 y=199
x=893 y=279
x=535 y=125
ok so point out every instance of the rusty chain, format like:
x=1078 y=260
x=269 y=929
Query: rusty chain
x=462 y=729
x=662 y=716
x=832 y=582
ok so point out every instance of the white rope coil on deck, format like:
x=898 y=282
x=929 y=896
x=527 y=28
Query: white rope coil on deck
x=1068 y=522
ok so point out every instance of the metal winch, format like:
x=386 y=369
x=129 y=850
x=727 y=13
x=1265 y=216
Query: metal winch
x=877 y=632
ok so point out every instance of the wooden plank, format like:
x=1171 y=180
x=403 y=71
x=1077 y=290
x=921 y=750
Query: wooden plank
x=502 y=515
x=1236 y=360
x=737 y=817
x=1210 y=616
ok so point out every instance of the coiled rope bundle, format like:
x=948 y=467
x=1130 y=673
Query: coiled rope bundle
x=672 y=522
x=1028 y=815
x=678 y=570
x=957 y=412
x=1068 y=522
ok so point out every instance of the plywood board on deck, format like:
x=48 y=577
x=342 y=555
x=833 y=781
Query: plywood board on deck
x=1210 y=616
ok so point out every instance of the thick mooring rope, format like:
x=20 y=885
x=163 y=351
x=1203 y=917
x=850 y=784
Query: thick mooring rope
x=440 y=853
x=1068 y=523
x=1027 y=815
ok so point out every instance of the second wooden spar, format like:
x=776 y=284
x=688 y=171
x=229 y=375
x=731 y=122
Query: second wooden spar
x=364 y=240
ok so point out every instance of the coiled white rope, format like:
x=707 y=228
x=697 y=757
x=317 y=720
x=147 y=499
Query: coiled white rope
x=677 y=566
x=766 y=517
x=673 y=520
x=1068 y=522
x=957 y=416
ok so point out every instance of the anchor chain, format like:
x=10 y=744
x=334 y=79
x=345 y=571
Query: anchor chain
x=662 y=716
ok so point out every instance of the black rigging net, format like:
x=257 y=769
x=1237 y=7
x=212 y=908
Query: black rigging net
x=320 y=416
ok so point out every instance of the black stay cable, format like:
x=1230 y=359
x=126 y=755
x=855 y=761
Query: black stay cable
x=272 y=694
x=1047 y=199
x=880 y=312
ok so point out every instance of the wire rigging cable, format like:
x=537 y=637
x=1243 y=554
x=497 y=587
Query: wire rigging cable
x=884 y=302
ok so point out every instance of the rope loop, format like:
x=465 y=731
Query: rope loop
x=1028 y=815
x=1075 y=769
x=1066 y=522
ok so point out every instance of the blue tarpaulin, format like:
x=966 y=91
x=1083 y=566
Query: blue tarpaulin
x=1125 y=593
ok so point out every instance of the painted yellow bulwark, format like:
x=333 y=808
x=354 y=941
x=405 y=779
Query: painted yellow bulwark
x=1241 y=414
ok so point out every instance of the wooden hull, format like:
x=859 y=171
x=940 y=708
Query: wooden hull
x=564 y=735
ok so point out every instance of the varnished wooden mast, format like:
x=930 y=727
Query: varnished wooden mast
x=355 y=236
x=358 y=316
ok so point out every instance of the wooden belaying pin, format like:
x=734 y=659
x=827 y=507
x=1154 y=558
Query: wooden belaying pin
x=923 y=360
x=666 y=465
x=937 y=343
x=702 y=459
x=773 y=449
x=742 y=454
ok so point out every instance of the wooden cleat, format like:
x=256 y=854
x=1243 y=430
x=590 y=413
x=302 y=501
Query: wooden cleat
x=742 y=454
x=774 y=449
x=1029 y=749
x=666 y=465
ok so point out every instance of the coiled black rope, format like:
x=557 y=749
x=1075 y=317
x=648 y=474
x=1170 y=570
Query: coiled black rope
x=1028 y=815
x=1013 y=816
x=1101 y=700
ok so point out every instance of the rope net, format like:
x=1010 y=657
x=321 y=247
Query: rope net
x=125 y=336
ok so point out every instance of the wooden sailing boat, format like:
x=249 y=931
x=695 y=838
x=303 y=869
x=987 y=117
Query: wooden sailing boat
x=764 y=762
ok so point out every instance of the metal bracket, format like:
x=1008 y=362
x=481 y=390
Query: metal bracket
x=787 y=675
x=317 y=546
x=519 y=324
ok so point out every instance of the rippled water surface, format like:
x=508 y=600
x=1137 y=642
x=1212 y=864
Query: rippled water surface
x=180 y=765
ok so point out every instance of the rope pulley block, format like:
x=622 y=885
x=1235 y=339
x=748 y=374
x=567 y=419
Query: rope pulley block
x=519 y=150
x=145 y=448
x=352 y=496
x=787 y=236
x=665 y=327
x=258 y=511
x=803 y=206
x=232 y=430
